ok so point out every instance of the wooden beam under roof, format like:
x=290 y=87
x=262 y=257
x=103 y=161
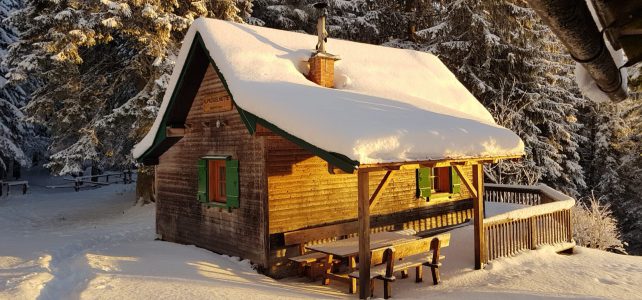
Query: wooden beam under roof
x=376 y=195
x=409 y=165
x=174 y=131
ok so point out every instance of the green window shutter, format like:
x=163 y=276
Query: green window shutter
x=455 y=182
x=202 y=181
x=424 y=182
x=232 y=183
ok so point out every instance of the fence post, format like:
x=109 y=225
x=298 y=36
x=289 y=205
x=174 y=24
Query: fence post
x=533 y=225
x=569 y=220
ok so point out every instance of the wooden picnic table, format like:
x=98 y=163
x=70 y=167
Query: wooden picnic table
x=5 y=186
x=350 y=248
x=92 y=180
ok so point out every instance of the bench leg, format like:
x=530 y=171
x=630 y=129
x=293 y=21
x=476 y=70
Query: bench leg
x=313 y=270
x=353 y=281
x=24 y=189
x=387 y=289
x=353 y=286
x=419 y=273
x=435 y=275
x=372 y=284
x=404 y=274
x=302 y=269
x=328 y=270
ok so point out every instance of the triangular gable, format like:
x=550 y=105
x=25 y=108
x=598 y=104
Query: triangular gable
x=186 y=89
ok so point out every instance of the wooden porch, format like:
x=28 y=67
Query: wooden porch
x=545 y=219
x=366 y=200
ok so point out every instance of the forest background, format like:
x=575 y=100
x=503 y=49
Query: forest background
x=81 y=83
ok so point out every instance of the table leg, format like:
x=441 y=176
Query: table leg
x=353 y=281
x=328 y=270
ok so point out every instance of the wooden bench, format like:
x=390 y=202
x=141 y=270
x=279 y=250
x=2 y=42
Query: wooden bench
x=312 y=261
x=6 y=185
x=402 y=257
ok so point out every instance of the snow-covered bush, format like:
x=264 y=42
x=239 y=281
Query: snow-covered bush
x=595 y=227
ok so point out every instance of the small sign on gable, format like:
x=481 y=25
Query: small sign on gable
x=218 y=102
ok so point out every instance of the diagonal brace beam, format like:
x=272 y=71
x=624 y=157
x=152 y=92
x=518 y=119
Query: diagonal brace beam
x=382 y=185
x=465 y=180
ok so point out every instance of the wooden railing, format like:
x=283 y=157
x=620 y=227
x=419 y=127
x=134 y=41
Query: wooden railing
x=546 y=220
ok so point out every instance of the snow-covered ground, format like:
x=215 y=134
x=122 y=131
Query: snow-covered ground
x=96 y=244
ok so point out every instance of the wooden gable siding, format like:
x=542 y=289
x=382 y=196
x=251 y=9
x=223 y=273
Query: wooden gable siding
x=302 y=193
x=180 y=217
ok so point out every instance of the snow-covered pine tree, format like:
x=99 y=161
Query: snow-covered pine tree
x=515 y=66
x=17 y=138
x=365 y=21
x=104 y=66
x=613 y=162
x=629 y=206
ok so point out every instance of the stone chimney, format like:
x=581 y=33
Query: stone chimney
x=322 y=62
x=322 y=69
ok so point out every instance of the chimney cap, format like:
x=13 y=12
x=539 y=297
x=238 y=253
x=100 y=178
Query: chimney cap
x=326 y=55
x=320 y=5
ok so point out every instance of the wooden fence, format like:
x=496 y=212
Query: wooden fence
x=546 y=221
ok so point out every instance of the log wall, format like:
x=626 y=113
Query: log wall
x=303 y=194
x=180 y=217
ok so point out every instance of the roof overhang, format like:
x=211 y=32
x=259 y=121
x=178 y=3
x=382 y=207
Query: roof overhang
x=409 y=165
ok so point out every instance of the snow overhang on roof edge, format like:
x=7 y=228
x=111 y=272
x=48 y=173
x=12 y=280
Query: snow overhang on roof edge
x=154 y=143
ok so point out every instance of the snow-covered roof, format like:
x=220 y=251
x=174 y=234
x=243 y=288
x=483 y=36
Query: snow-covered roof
x=389 y=105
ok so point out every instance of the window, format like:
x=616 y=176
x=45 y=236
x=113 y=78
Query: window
x=436 y=181
x=218 y=181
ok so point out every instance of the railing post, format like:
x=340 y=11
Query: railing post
x=533 y=225
x=569 y=219
x=478 y=219
x=363 y=180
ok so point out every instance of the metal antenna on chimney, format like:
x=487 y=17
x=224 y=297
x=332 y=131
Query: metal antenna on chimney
x=321 y=31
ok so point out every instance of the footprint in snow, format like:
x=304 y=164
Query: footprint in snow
x=606 y=281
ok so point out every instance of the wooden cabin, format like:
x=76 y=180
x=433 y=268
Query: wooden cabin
x=259 y=137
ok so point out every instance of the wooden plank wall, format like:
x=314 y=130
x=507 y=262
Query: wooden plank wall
x=180 y=218
x=302 y=194
x=300 y=182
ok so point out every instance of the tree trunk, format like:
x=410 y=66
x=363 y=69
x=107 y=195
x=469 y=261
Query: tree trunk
x=145 y=187
x=95 y=171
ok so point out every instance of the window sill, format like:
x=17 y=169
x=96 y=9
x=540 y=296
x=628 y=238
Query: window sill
x=440 y=197
x=437 y=196
x=217 y=204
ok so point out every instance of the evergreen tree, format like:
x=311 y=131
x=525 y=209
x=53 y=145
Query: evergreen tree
x=17 y=138
x=365 y=21
x=515 y=66
x=104 y=66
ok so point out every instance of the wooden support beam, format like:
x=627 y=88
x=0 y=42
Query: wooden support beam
x=433 y=163
x=175 y=132
x=466 y=181
x=478 y=214
x=364 y=234
x=382 y=185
